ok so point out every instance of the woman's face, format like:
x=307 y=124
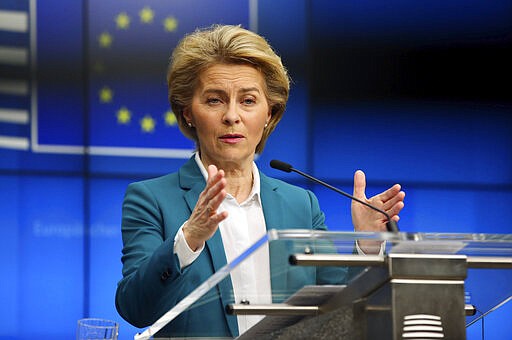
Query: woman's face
x=229 y=111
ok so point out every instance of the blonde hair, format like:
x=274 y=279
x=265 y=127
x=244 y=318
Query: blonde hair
x=225 y=44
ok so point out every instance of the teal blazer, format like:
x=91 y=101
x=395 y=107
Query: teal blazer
x=152 y=283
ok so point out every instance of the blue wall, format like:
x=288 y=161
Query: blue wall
x=410 y=93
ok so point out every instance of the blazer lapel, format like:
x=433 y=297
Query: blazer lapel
x=192 y=180
x=271 y=203
x=274 y=218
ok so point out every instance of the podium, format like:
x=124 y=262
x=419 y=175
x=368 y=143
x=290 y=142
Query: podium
x=417 y=286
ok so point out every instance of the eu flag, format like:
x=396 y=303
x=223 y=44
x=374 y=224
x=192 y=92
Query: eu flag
x=130 y=43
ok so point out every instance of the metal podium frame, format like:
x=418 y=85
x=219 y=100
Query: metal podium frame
x=415 y=289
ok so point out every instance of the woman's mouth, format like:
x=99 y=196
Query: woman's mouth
x=231 y=138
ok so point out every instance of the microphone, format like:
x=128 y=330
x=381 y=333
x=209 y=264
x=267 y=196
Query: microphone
x=390 y=224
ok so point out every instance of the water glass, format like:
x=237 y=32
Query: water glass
x=96 y=329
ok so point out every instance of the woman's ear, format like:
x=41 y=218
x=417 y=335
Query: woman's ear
x=187 y=116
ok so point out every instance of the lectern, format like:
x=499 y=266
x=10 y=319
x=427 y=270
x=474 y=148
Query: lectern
x=418 y=286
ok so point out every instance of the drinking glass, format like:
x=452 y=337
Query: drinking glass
x=96 y=329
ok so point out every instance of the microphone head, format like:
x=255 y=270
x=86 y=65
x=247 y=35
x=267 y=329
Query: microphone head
x=280 y=165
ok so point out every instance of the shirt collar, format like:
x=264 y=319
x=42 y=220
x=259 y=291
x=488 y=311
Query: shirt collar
x=255 y=192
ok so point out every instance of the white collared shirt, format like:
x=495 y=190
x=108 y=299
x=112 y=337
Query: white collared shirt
x=244 y=225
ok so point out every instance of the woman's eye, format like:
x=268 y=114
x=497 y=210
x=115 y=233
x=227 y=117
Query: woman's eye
x=249 y=101
x=213 y=100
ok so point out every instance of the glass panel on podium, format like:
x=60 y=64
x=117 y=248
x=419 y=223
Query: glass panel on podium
x=321 y=275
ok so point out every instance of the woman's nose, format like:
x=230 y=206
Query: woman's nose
x=231 y=115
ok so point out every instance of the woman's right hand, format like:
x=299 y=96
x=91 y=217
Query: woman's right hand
x=204 y=220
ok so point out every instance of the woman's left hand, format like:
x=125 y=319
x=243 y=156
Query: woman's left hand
x=365 y=219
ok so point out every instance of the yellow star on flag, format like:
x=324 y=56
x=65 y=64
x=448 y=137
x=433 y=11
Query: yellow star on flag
x=147 y=124
x=105 y=40
x=122 y=21
x=170 y=24
x=170 y=118
x=146 y=15
x=124 y=115
x=106 y=94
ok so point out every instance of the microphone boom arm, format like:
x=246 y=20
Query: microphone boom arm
x=391 y=225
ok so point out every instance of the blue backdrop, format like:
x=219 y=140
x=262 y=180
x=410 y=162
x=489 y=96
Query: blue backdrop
x=410 y=93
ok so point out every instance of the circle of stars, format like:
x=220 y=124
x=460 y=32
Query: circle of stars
x=123 y=22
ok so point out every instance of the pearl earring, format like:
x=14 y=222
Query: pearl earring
x=189 y=124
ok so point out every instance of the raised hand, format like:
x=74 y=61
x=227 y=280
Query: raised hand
x=391 y=201
x=204 y=220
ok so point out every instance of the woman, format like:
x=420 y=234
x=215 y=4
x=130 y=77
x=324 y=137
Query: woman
x=228 y=90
